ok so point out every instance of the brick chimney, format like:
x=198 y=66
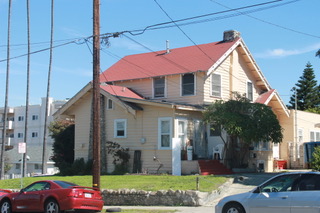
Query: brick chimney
x=230 y=35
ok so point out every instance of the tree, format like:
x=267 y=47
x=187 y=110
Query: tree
x=245 y=123
x=62 y=131
x=306 y=91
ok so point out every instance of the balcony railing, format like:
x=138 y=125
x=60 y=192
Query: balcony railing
x=9 y=125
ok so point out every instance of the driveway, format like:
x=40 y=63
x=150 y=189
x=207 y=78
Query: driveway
x=241 y=183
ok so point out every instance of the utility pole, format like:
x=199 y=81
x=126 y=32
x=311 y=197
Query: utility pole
x=96 y=95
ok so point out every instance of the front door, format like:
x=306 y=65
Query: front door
x=200 y=140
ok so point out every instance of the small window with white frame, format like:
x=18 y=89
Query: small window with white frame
x=159 y=87
x=109 y=104
x=20 y=118
x=216 y=85
x=20 y=135
x=188 y=84
x=164 y=132
x=120 y=128
x=250 y=90
x=35 y=117
x=262 y=146
x=314 y=136
x=34 y=134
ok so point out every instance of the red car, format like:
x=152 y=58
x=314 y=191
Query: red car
x=52 y=196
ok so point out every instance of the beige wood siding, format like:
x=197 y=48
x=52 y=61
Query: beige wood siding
x=82 y=112
x=235 y=73
x=143 y=125
x=173 y=88
x=223 y=71
x=141 y=86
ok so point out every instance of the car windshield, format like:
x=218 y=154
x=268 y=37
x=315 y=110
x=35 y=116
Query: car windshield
x=65 y=184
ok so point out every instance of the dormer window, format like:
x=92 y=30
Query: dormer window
x=159 y=87
x=188 y=84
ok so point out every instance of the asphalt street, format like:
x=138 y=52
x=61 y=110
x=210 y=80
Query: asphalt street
x=241 y=183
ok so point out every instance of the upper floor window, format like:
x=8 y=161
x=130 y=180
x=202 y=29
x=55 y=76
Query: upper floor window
x=20 y=118
x=35 y=117
x=188 y=84
x=34 y=134
x=20 y=135
x=216 y=85
x=120 y=128
x=110 y=104
x=159 y=87
x=250 y=91
x=164 y=133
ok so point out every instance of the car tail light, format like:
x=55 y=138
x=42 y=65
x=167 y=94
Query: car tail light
x=76 y=193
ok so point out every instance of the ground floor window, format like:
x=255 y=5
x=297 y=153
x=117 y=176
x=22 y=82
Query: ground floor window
x=164 y=133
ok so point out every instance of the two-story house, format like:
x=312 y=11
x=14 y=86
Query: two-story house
x=153 y=103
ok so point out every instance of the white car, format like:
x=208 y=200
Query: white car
x=296 y=192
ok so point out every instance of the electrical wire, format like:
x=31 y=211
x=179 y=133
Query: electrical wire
x=173 y=23
x=270 y=23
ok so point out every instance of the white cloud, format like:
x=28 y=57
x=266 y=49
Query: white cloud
x=279 y=52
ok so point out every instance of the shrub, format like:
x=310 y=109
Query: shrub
x=315 y=162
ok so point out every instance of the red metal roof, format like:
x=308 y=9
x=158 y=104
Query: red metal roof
x=120 y=91
x=178 y=61
x=265 y=97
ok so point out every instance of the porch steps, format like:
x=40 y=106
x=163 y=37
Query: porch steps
x=213 y=167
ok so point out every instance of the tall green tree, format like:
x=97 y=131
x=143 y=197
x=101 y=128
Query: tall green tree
x=246 y=123
x=306 y=91
x=62 y=131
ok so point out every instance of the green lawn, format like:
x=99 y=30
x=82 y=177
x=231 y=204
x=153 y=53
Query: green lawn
x=139 y=182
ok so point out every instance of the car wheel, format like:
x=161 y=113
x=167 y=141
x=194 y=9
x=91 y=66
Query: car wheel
x=6 y=207
x=233 y=208
x=51 y=206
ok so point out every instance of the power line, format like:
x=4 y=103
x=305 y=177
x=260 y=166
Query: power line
x=270 y=23
x=160 y=25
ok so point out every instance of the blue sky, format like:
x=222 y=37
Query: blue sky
x=282 y=38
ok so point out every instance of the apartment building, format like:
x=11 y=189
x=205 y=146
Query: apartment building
x=15 y=130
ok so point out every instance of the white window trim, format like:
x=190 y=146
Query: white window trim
x=165 y=88
x=247 y=94
x=108 y=106
x=34 y=134
x=314 y=132
x=159 y=132
x=36 y=117
x=211 y=90
x=115 y=128
x=195 y=85
x=260 y=146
